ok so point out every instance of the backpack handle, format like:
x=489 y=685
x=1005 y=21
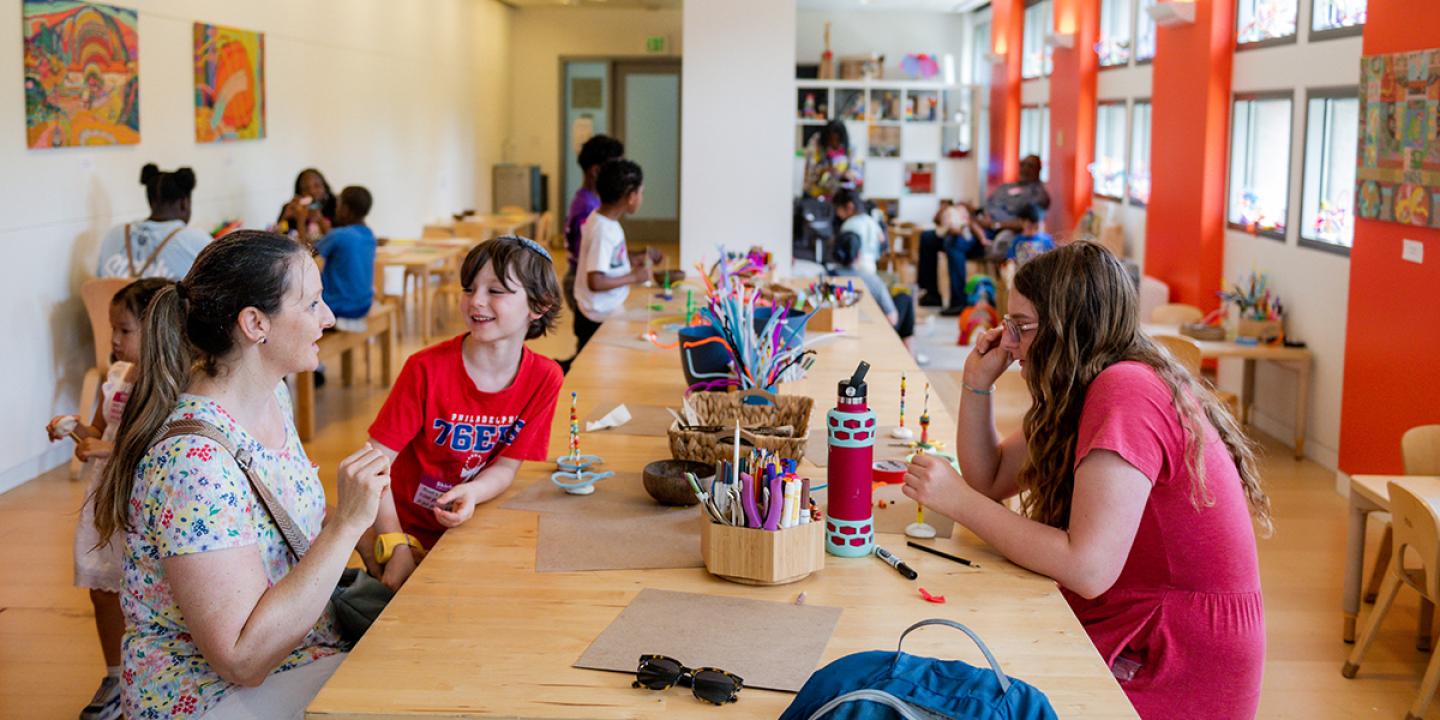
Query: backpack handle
x=994 y=664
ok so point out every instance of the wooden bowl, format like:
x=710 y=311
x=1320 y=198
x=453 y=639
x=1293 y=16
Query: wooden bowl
x=665 y=481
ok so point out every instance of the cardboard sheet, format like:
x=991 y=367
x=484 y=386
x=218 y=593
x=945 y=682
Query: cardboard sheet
x=774 y=646
x=574 y=542
x=620 y=494
x=645 y=420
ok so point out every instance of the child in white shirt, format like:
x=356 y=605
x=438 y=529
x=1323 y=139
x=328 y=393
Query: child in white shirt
x=604 y=274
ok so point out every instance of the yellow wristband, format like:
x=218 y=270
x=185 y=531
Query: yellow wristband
x=385 y=545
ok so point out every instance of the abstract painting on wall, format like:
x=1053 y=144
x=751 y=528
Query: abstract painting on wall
x=1397 y=176
x=82 y=74
x=229 y=84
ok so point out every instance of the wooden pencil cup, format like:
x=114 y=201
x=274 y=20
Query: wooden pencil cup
x=837 y=319
x=1266 y=331
x=760 y=557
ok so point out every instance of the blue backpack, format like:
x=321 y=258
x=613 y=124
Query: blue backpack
x=880 y=685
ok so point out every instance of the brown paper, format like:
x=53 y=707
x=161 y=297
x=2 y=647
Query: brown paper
x=773 y=646
x=577 y=542
x=645 y=420
x=620 y=494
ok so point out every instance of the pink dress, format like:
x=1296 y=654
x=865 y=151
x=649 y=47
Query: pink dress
x=1183 y=628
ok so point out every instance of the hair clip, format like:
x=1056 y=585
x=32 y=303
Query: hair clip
x=527 y=242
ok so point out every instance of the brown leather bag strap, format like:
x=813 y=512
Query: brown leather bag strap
x=294 y=538
x=153 y=256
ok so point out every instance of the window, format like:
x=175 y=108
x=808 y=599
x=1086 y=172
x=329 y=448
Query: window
x=1140 y=153
x=1114 y=44
x=1329 y=16
x=1332 y=120
x=1035 y=136
x=1260 y=164
x=980 y=67
x=1108 y=170
x=1144 y=32
x=1259 y=21
x=1035 y=59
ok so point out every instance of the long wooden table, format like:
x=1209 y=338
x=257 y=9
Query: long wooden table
x=1297 y=359
x=476 y=632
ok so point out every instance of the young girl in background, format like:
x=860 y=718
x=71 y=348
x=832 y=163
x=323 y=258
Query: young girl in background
x=465 y=413
x=99 y=568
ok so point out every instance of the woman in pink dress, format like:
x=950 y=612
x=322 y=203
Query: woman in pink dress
x=1138 y=489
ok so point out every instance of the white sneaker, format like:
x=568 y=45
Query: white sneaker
x=106 y=703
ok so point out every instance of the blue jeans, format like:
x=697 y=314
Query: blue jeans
x=956 y=248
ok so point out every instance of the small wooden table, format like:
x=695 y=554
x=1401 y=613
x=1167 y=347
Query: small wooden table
x=477 y=632
x=1297 y=359
x=1369 y=494
x=484 y=227
x=419 y=261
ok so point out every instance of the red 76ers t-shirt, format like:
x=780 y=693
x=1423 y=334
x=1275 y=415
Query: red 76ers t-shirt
x=446 y=430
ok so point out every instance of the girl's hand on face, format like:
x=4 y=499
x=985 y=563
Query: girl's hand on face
x=988 y=361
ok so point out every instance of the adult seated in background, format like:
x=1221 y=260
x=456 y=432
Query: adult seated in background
x=349 y=252
x=1001 y=211
x=311 y=211
x=958 y=236
x=223 y=620
x=1137 y=488
x=1032 y=240
x=828 y=167
x=162 y=245
x=857 y=252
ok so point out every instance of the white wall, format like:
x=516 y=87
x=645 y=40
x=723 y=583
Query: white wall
x=1313 y=284
x=382 y=94
x=540 y=37
x=737 y=137
x=888 y=33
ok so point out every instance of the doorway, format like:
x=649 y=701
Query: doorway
x=637 y=101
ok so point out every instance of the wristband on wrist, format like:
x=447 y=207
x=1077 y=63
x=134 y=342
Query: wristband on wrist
x=977 y=391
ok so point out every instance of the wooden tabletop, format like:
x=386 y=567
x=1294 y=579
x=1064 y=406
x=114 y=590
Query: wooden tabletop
x=414 y=254
x=1232 y=349
x=476 y=632
x=1374 y=487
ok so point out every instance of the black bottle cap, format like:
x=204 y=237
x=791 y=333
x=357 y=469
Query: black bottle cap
x=855 y=386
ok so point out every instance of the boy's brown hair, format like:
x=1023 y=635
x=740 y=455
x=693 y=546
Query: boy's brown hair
x=527 y=261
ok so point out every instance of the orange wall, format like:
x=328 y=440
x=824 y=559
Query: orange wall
x=1072 y=113
x=1392 y=339
x=1007 y=19
x=1185 y=224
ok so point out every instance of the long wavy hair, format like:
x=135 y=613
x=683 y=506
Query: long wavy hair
x=1088 y=319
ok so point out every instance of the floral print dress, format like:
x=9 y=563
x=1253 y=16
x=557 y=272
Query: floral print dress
x=191 y=497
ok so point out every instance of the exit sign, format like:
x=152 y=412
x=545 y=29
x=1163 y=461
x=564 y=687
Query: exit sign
x=657 y=44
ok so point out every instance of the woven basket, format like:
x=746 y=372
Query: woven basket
x=722 y=409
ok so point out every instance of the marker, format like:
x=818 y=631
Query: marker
x=945 y=555
x=895 y=562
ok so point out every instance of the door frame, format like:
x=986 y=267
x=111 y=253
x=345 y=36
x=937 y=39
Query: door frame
x=636 y=230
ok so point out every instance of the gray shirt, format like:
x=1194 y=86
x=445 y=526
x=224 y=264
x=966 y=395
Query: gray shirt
x=172 y=262
x=1005 y=202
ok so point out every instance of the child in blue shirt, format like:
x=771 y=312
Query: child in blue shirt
x=1032 y=241
x=349 y=252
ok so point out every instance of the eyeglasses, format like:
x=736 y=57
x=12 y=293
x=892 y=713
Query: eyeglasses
x=1014 y=329
x=713 y=685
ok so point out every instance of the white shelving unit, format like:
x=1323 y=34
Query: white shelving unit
x=897 y=127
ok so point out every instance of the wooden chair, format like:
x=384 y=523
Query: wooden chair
x=471 y=229
x=436 y=231
x=1187 y=353
x=545 y=232
x=1420 y=450
x=1417 y=528
x=96 y=295
x=1176 y=314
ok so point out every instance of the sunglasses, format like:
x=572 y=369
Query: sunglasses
x=1014 y=329
x=713 y=685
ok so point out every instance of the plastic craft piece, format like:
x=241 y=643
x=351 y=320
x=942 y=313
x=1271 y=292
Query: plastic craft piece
x=937 y=599
x=574 y=475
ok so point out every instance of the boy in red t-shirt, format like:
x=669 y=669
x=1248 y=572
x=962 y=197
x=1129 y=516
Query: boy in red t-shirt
x=466 y=412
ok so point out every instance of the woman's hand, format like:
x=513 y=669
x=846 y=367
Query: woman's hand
x=463 y=507
x=931 y=481
x=988 y=361
x=362 y=478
